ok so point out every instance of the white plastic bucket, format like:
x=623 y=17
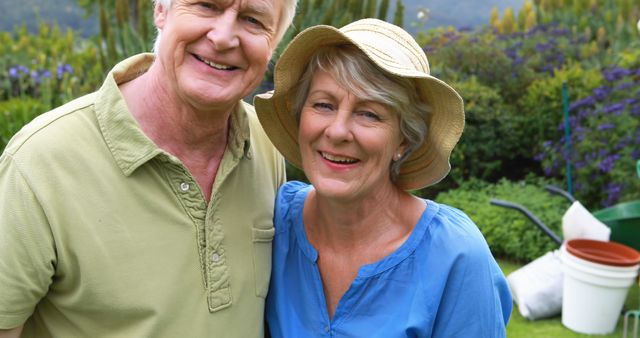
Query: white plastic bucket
x=593 y=293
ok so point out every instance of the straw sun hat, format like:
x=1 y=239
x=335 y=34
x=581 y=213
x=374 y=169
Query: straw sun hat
x=393 y=50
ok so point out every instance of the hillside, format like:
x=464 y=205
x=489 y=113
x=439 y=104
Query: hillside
x=29 y=12
x=457 y=13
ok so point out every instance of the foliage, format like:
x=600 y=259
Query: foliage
x=15 y=113
x=491 y=140
x=605 y=141
x=508 y=232
x=125 y=28
x=542 y=102
x=610 y=23
x=51 y=66
x=336 y=13
x=33 y=13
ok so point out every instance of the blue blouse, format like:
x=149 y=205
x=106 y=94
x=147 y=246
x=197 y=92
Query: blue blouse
x=442 y=282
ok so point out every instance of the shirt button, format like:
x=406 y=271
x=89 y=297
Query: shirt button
x=184 y=186
x=215 y=258
x=327 y=328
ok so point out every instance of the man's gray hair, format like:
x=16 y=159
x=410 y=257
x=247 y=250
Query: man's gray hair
x=287 y=13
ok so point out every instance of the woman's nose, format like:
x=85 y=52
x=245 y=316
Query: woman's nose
x=339 y=129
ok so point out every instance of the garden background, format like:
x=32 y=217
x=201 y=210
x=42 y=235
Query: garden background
x=510 y=70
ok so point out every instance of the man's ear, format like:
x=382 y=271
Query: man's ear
x=159 y=15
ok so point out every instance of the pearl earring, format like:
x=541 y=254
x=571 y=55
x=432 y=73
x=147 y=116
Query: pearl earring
x=397 y=157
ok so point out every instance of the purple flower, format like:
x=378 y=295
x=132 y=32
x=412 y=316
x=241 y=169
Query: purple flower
x=61 y=69
x=35 y=76
x=613 y=108
x=23 y=69
x=588 y=101
x=623 y=86
x=613 y=193
x=608 y=162
x=616 y=73
x=601 y=92
x=59 y=72
x=542 y=47
x=13 y=72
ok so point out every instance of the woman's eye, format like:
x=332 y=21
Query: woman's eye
x=322 y=106
x=370 y=115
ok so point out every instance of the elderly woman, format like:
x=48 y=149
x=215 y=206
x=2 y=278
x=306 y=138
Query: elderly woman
x=356 y=254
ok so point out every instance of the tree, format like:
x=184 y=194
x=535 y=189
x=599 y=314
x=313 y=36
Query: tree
x=508 y=24
x=398 y=17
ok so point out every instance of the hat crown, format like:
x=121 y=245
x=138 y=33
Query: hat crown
x=389 y=46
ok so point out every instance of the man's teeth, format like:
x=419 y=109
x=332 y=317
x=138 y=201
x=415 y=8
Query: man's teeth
x=338 y=159
x=216 y=65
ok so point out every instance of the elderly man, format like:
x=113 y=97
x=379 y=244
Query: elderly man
x=145 y=209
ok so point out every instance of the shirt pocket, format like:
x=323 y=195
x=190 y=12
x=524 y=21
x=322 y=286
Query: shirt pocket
x=262 y=240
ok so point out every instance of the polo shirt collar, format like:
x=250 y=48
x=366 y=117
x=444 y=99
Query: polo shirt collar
x=128 y=144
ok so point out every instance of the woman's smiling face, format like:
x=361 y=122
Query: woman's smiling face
x=347 y=144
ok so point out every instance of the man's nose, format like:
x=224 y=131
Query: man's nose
x=224 y=31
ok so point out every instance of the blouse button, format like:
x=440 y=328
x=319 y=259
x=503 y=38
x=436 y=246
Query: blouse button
x=184 y=186
x=215 y=258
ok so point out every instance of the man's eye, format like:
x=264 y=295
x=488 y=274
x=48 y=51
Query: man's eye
x=253 y=21
x=207 y=5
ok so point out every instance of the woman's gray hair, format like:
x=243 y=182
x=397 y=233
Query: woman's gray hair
x=286 y=17
x=350 y=67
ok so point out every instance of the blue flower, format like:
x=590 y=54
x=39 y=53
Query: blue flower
x=613 y=193
x=13 y=72
x=35 y=76
x=613 y=108
x=601 y=92
x=615 y=73
x=608 y=162
x=588 y=101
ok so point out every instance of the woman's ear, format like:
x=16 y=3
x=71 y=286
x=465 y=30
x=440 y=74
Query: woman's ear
x=402 y=148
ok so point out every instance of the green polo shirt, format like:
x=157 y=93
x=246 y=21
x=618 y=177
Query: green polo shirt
x=103 y=234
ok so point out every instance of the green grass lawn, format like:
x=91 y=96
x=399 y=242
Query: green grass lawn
x=519 y=327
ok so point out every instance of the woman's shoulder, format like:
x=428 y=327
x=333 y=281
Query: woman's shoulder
x=452 y=226
x=288 y=191
x=290 y=199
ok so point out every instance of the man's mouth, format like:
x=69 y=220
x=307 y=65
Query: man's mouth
x=215 y=65
x=338 y=159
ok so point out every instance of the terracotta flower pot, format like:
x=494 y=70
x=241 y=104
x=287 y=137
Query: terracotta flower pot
x=608 y=253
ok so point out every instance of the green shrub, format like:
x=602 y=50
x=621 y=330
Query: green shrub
x=15 y=113
x=509 y=233
x=51 y=66
x=605 y=141
x=492 y=144
x=541 y=105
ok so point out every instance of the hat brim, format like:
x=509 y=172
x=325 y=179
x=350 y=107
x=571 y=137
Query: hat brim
x=427 y=165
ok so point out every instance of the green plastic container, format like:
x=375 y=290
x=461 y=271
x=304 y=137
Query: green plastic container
x=624 y=221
